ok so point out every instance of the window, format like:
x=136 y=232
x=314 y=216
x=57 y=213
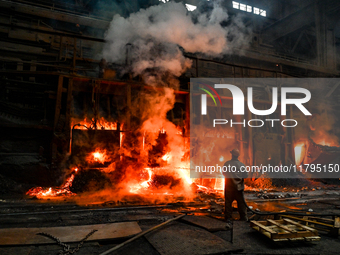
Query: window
x=190 y=7
x=246 y=8
x=243 y=7
x=236 y=5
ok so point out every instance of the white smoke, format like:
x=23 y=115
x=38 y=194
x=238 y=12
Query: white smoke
x=157 y=33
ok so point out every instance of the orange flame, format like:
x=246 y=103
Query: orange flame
x=98 y=156
x=89 y=124
x=144 y=185
x=300 y=151
x=325 y=139
x=41 y=192
x=166 y=157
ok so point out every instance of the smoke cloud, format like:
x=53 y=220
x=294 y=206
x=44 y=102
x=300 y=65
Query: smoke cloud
x=158 y=35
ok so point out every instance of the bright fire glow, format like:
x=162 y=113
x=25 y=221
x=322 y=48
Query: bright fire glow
x=325 y=141
x=98 y=156
x=299 y=150
x=221 y=159
x=219 y=184
x=89 y=124
x=64 y=190
x=144 y=185
x=166 y=157
x=185 y=174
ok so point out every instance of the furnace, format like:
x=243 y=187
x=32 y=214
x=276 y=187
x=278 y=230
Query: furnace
x=117 y=117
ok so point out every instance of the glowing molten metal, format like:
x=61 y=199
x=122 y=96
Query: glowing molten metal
x=64 y=190
x=299 y=150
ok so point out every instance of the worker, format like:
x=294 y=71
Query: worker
x=234 y=186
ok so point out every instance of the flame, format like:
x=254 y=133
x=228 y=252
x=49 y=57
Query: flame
x=89 y=124
x=323 y=127
x=64 y=190
x=219 y=184
x=166 y=157
x=185 y=174
x=325 y=140
x=98 y=156
x=121 y=136
x=144 y=185
x=300 y=151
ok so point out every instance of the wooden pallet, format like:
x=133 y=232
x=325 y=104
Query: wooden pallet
x=285 y=230
x=330 y=225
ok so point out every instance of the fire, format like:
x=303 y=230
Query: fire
x=90 y=124
x=144 y=185
x=98 y=156
x=326 y=140
x=166 y=157
x=184 y=172
x=64 y=190
x=322 y=127
x=219 y=184
x=300 y=151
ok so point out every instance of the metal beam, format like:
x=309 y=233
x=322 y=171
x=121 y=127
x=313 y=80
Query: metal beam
x=53 y=14
x=58 y=101
x=330 y=92
x=289 y=24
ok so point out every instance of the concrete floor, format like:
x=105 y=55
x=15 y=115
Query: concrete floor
x=19 y=212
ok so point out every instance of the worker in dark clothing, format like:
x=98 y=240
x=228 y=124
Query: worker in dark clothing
x=234 y=186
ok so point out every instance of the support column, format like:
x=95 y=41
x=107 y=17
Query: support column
x=58 y=101
x=69 y=111
x=187 y=115
x=320 y=27
x=128 y=104
x=250 y=141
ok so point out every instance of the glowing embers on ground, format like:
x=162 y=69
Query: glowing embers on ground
x=91 y=123
x=98 y=156
x=44 y=193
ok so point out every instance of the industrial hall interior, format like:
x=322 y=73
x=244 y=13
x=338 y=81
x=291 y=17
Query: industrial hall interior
x=104 y=150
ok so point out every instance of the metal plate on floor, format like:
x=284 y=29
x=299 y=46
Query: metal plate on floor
x=69 y=234
x=180 y=238
x=207 y=223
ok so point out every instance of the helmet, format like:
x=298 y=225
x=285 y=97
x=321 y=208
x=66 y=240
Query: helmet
x=235 y=152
